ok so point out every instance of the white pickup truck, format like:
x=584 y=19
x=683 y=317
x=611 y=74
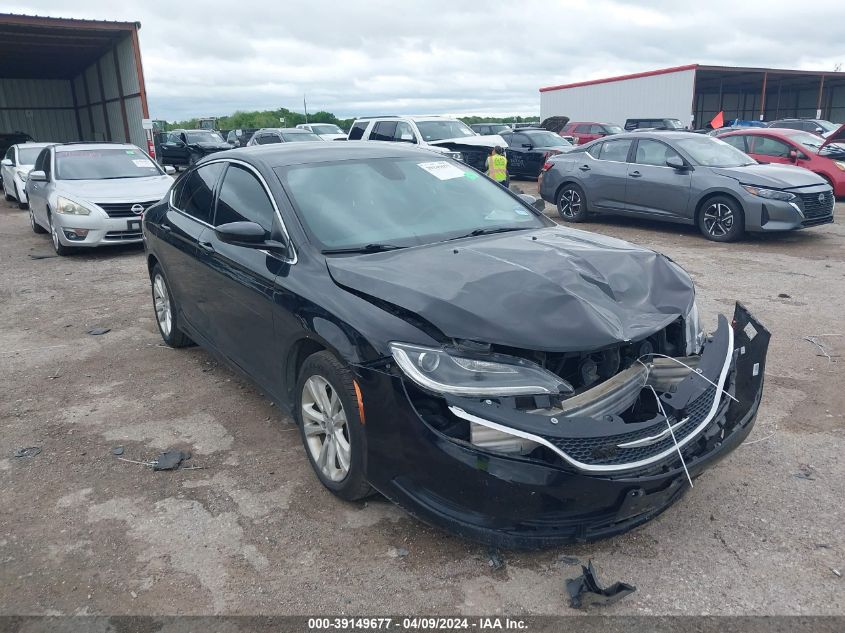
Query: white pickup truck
x=441 y=134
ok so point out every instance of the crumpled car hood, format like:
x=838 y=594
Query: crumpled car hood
x=777 y=176
x=548 y=289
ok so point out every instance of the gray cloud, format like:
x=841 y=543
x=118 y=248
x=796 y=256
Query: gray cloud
x=440 y=56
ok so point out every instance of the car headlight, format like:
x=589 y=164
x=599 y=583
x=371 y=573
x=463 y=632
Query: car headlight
x=69 y=207
x=694 y=335
x=455 y=155
x=771 y=194
x=438 y=370
x=839 y=164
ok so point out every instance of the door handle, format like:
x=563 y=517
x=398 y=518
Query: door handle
x=166 y=228
x=206 y=246
x=635 y=174
x=584 y=168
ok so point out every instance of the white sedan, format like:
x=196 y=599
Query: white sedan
x=15 y=168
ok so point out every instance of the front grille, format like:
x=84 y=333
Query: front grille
x=603 y=451
x=817 y=205
x=123 y=209
x=123 y=235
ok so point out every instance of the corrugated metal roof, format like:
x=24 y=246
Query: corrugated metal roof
x=33 y=46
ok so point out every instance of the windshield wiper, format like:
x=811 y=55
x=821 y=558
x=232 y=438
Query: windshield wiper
x=369 y=248
x=501 y=229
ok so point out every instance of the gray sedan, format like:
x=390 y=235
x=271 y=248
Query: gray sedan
x=687 y=178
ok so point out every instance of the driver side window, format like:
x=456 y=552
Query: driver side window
x=768 y=146
x=10 y=154
x=404 y=133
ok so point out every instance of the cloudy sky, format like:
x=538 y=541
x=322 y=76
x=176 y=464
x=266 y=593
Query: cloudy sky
x=439 y=56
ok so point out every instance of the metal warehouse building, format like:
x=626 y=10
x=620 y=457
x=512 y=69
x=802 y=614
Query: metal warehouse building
x=71 y=80
x=696 y=93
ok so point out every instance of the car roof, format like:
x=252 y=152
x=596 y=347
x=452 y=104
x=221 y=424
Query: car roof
x=33 y=145
x=652 y=134
x=298 y=130
x=784 y=131
x=285 y=154
x=66 y=147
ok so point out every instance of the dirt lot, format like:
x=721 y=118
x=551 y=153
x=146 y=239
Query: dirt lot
x=253 y=531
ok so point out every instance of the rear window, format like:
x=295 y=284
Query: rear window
x=297 y=137
x=104 y=164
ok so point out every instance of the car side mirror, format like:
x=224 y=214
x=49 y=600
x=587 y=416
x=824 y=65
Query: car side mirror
x=676 y=162
x=819 y=131
x=169 y=170
x=7 y=162
x=38 y=176
x=242 y=233
x=793 y=155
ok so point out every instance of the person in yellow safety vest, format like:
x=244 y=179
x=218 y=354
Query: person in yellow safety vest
x=497 y=167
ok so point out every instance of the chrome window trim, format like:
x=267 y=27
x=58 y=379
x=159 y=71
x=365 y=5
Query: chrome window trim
x=616 y=467
x=289 y=260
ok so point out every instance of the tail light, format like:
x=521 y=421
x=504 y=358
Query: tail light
x=547 y=166
x=151 y=149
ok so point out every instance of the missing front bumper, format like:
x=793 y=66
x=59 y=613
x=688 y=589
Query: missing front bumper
x=702 y=404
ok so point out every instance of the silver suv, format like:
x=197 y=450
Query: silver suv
x=444 y=135
x=93 y=194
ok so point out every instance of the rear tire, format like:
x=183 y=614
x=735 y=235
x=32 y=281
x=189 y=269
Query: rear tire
x=166 y=312
x=721 y=219
x=571 y=203
x=330 y=425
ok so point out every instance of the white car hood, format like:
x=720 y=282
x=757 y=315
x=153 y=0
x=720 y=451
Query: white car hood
x=119 y=190
x=489 y=140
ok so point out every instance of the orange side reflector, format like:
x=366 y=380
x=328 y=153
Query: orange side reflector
x=360 y=402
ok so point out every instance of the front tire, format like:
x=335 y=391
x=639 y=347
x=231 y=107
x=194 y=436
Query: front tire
x=21 y=204
x=165 y=311
x=571 y=203
x=330 y=425
x=61 y=249
x=721 y=220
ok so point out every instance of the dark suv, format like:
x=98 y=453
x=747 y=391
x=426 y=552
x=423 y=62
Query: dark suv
x=186 y=147
x=654 y=124
x=490 y=128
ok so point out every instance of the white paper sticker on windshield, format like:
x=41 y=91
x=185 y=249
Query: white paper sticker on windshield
x=141 y=162
x=443 y=170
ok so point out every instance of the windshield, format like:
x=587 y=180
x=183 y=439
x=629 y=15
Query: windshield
x=613 y=129
x=100 y=164
x=326 y=129
x=204 y=137
x=712 y=152
x=27 y=156
x=439 y=130
x=547 y=139
x=399 y=202
x=812 y=142
x=496 y=129
x=827 y=126
x=295 y=137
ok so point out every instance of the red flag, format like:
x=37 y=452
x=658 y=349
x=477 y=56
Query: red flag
x=718 y=121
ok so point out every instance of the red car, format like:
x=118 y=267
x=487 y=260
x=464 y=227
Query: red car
x=586 y=131
x=825 y=157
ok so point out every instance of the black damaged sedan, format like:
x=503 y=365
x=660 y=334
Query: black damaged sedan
x=441 y=342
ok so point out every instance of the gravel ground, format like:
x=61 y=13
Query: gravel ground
x=82 y=532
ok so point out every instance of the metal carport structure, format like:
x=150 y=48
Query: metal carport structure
x=72 y=80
